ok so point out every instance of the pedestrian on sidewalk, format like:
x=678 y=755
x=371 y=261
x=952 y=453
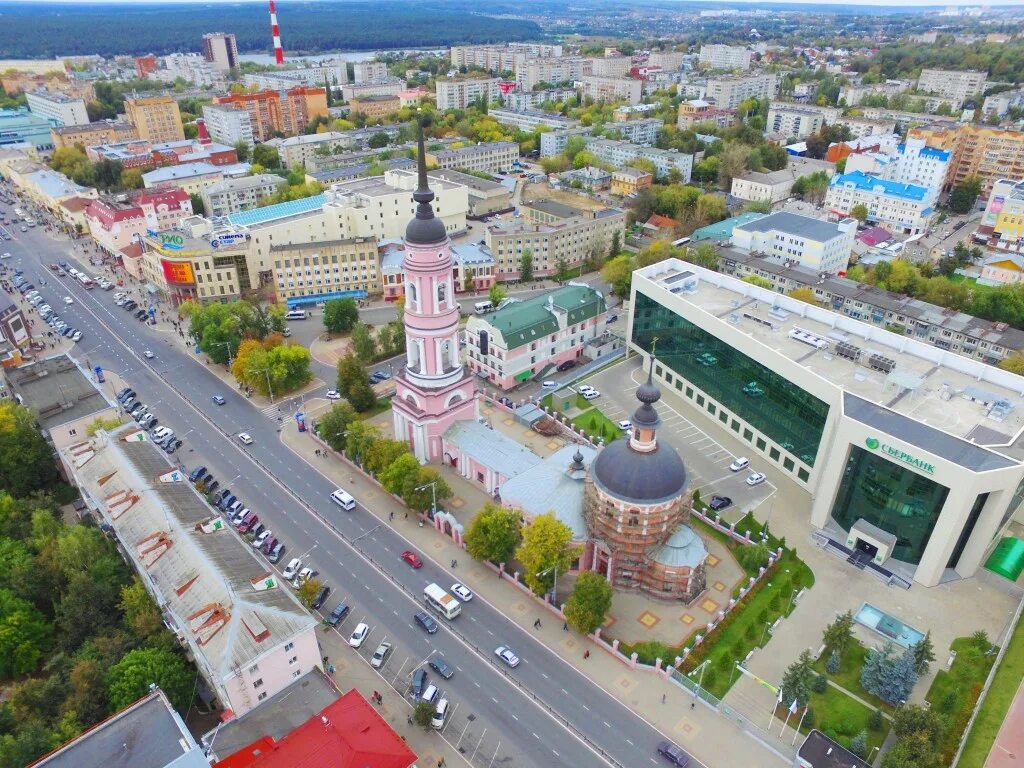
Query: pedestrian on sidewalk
x=391 y=516
x=565 y=626
x=375 y=695
x=537 y=624
x=663 y=698
x=586 y=654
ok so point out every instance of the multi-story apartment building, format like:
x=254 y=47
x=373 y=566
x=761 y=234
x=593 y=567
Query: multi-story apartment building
x=854 y=94
x=143 y=154
x=1000 y=103
x=59 y=109
x=460 y=92
x=637 y=131
x=233 y=195
x=727 y=92
x=912 y=162
x=221 y=50
x=375 y=107
x=944 y=328
x=190 y=67
x=287 y=112
x=528 y=336
x=553 y=71
x=1002 y=226
x=325 y=269
x=519 y=100
x=861 y=127
x=369 y=71
x=634 y=112
x=611 y=66
x=628 y=181
x=612 y=89
x=501 y=58
x=724 y=57
x=332 y=71
x=389 y=87
x=895 y=206
x=775 y=186
x=669 y=61
x=553 y=142
x=785 y=237
x=192 y=177
x=798 y=120
x=554 y=233
x=308 y=149
x=14 y=82
x=490 y=157
x=620 y=153
x=988 y=153
x=953 y=86
x=696 y=111
x=103 y=132
x=484 y=196
x=228 y=125
x=530 y=119
x=156 y=118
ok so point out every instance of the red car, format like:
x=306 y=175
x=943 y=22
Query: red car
x=412 y=558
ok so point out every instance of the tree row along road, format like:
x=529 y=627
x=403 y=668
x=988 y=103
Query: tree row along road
x=356 y=554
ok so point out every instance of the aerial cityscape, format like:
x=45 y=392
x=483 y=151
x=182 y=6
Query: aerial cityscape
x=389 y=385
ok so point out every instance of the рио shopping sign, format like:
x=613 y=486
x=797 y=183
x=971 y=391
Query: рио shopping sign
x=907 y=458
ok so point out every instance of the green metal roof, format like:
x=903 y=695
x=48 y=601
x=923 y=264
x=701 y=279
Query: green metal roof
x=522 y=322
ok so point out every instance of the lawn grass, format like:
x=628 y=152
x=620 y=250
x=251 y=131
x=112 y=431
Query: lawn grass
x=841 y=718
x=848 y=675
x=382 y=404
x=966 y=679
x=597 y=424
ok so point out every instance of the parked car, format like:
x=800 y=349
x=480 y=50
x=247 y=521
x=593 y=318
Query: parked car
x=719 y=502
x=302 y=577
x=739 y=464
x=358 y=636
x=321 y=597
x=219 y=399
x=419 y=681
x=338 y=614
x=756 y=479
x=626 y=426
x=247 y=525
x=333 y=394
x=380 y=655
x=567 y=365
x=292 y=569
x=276 y=553
x=261 y=538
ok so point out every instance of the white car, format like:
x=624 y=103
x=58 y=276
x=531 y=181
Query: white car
x=68 y=300
x=76 y=336
x=462 y=592
x=755 y=479
x=591 y=394
x=148 y=355
x=333 y=394
x=626 y=425
x=245 y=438
x=549 y=385
x=303 y=576
x=739 y=464
x=359 y=635
x=380 y=655
x=507 y=655
x=584 y=388
x=260 y=540
x=291 y=569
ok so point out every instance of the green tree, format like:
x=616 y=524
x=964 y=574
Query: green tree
x=1014 y=363
x=618 y=272
x=130 y=678
x=335 y=423
x=752 y=556
x=351 y=371
x=732 y=163
x=526 y=265
x=546 y=547
x=838 y=635
x=914 y=719
x=962 y=198
x=913 y=751
x=363 y=343
x=859 y=212
x=562 y=271
x=340 y=315
x=378 y=140
x=616 y=245
x=924 y=654
x=362 y=397
x=198 y=206
x=308 y=591
x=589 y=602
x=493 y=534
x=859 y=744
x=383 y=453
x=704 y=255
x=26 y=461
x=497 y=294
x=25 y=636
x=798 y=679
x=266 y=156
x=420 y=490
x=423 y=713
x=805 y=294
x=140 y=613
x=394 y=477
x=242 y=150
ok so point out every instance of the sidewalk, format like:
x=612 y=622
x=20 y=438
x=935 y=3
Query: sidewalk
x=659 y=701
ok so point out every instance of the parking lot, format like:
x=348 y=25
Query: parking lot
x=706 y=458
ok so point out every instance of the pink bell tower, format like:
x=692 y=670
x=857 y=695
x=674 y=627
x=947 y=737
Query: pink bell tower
x=434 y=390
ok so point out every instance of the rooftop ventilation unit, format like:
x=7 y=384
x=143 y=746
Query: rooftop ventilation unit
x=808 y=338
x=847 y=350
x=881 y=363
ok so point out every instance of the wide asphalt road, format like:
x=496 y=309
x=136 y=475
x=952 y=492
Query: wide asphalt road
x=527 y=707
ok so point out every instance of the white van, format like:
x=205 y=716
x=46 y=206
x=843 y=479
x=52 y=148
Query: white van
x=437 y=721
x=343 y=499
x=295 y=314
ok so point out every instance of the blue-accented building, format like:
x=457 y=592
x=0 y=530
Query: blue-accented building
x=899 y=207
x=19 y=126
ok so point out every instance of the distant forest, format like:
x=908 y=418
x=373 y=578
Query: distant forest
x=30 y=30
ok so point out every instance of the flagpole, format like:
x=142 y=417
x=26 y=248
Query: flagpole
x=789 y=712
x=799 y=725
x=771 y=718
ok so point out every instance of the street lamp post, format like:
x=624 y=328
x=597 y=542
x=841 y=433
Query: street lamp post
x=554 y=586
x=228 y=345
x=433 y=495
x=269 y=390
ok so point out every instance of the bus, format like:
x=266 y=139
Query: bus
x=483 y=307
x=680 y=241
x=85 y=280
x=442 y=602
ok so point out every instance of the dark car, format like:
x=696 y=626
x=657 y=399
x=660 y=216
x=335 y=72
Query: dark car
x=426 y=621
x=212 y=485
x=507 y=401
x=673 y=754
x=321 y=596
x=196 y=473
x=440 y=666
x=567 y=365
x=338 y=614
x=419 y=682
x=719 y=502
x=269 y=544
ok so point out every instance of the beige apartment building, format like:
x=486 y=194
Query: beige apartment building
x=376 y=107
x=555 y=70
x=729 y=91
x=988 y=153
x=311 y=269
x=613 y=89
x=460 y=93
x=611 y=66
x=90 y=134
x=953 y=86
x=156 y=118
x=724 y=57
x=490 y=157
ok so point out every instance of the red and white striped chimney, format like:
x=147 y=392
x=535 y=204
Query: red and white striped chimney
x=275 y=31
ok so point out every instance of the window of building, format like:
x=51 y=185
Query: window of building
x=262 y=696
x=803 y=474
x=289 y=646
x=723 y=417
x=788 y=465
x=735 y=426
x=748 y=435
x=774 y=454
x=254 y=668
x=711 y=409
x=700 y=400
x=258 y=683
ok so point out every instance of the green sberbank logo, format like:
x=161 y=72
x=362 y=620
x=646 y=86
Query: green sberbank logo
x=907 y=458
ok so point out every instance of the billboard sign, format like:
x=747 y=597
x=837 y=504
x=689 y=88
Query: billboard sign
x=178 y=272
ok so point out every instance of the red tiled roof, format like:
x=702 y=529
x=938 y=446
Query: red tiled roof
x=349 y=733
x=132 y=251
x=662 y=222
x=874 y=236
x=76 y=204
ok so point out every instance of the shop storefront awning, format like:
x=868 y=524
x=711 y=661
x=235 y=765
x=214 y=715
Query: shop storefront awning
x=524 y=375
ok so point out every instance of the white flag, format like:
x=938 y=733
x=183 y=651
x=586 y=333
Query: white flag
x=779 y=700
x=792 y=707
